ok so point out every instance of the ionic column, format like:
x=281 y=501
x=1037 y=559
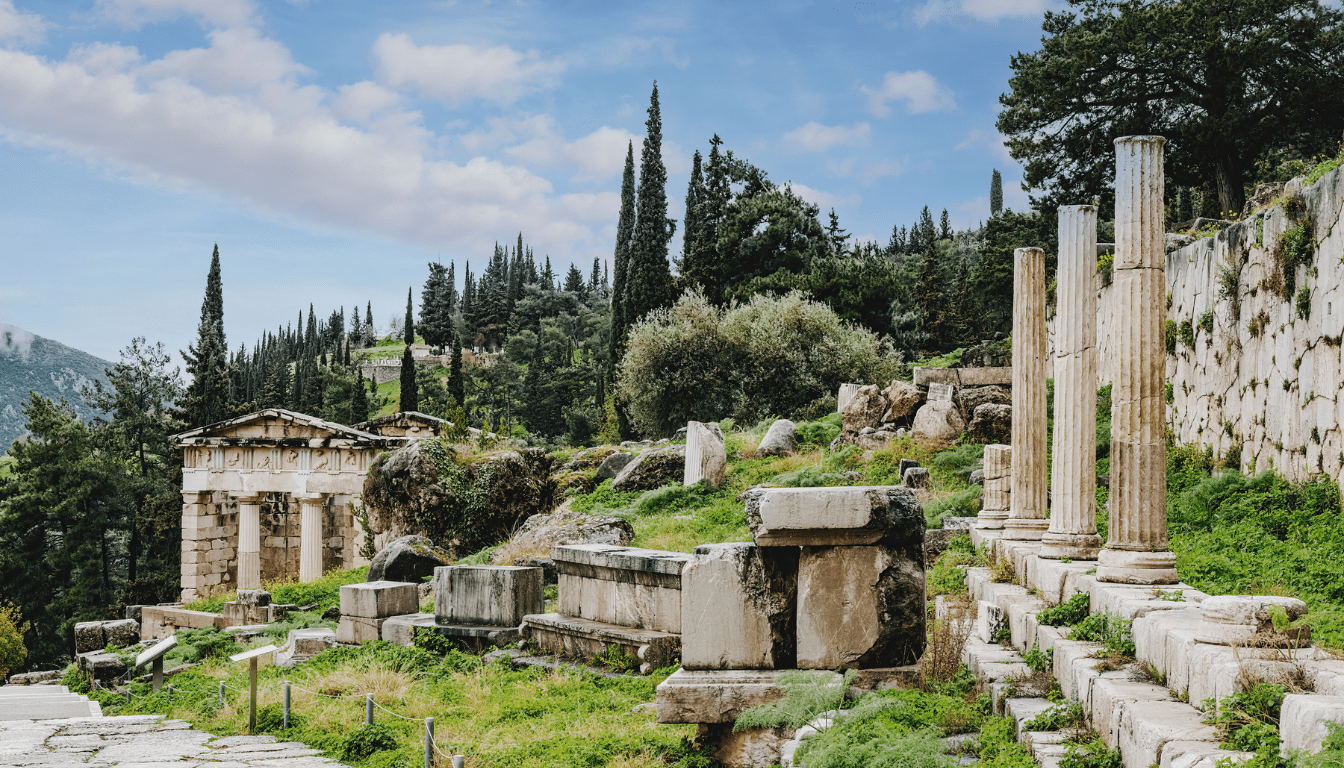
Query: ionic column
x=1073 y=479
x=310 y=536
x=1137 y=550
x=249 y=541
x=998 y=469
x=1027 y=518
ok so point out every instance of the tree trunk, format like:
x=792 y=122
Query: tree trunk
x=1231 y=195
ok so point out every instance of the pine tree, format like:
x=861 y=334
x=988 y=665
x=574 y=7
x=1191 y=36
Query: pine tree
x=409 y=398
x=574 y=281
x=691 y=226
x=452 y=288
x=594 y=281
x=704 y=264
x=995 y=194
x=469 y=300
x=836 y=235
x=927 y=234
x=649 y=281
x=945 y=227
x=929 y=294
x=369 y=329
x=548 y=277
x=206 y=400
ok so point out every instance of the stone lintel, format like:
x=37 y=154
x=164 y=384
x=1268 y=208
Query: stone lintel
x=621 y=558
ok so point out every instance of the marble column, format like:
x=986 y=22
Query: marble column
x=1028 y=516
x=1136 y=551
x=998 y=469
x=310 y=536
x=249 y=541
x=1073 y=479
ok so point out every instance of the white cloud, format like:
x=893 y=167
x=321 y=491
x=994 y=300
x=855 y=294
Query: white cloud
x=135 y=13
x=623 y=50
x=359 y=102
x=19 y=27
x=936 y=11
x=885 y=168
x=991 y=141
x=457 y=73
x=823 y=200
x=535 y=140
x=238 y=60
x=815 y=137
x=919 y=90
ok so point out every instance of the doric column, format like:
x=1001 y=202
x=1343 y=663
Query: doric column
x=1137 y=551
x=249 y=541
x=1073 y=479
x=310 y=536
x=998 y=469
x=1027 y=518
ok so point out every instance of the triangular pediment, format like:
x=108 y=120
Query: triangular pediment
x=274 y=424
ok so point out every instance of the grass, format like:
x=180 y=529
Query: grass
x=325 y=592
x=6 y=468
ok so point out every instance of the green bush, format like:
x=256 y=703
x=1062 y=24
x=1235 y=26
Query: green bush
x=1114 y=633
x=818 y=433
x=1067 y=613
x=12 y=649
x=963 y=503
x=366 y=740
x=271 y=719
x=806 y=695
x=1091 y=753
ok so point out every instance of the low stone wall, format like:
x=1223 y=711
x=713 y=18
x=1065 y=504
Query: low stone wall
x=158 y=622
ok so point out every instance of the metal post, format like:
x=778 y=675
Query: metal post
x=368 y=709
x=429 y=742
x=158 y=674
x=128 y=697
x=221 y=694
x=459 y=761
x=252 y=708
x=286 y=719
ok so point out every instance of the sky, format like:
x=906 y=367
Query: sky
x=332 y=148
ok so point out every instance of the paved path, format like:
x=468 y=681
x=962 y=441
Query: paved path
x=144 y=741
x=44 y=702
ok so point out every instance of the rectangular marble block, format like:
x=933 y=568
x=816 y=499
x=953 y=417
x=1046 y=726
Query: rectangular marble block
x=379 y=599
x=488 y=595
x=738 y=607
x=831 y=516
x=624 y=586
x=720 y=695
x=860 y=607
x=357 y=630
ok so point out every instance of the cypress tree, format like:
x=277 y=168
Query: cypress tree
x=410 y=400
x=995 y=194
x=625 y=228
x=359 y=400
x=548 y=277
x=368 y=325
x=594 y=281
x=930 y=296
x=649 y=279
x=456 y=385
x=945 y=227
x=691 y=226
x=703 y=265
x=206 y=399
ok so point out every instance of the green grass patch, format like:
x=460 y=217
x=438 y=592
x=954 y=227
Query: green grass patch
x=323 y=593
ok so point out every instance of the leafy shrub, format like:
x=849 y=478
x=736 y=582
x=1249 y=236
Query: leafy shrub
x=1171 y=337
x=1187 y=333
x=818 y=433
x=809 y=477
x=1067 y=613
x=947 y=577
x=771 y=355
x=12 y=649
x=1039 y=661
x=963 y=503
x=366 y=740
x=1206 y=321
x=1114 y=633
x=999 y=748
x=1304 y=302
x=271 y=718
x=1091 y=753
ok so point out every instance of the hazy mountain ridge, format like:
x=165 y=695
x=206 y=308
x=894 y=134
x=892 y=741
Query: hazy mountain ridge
x=29 y=362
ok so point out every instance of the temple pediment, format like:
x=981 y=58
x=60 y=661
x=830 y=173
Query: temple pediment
x=411 y=424
x=278 y=427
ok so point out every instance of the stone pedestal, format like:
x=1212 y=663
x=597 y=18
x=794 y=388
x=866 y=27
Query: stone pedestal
x=1028 y=516
x=487 y=595
x=860 y=607
x=1137 y=551
x=310 y=537
x=1247 y=620
x=1073 y=508
x=998 y=469
x=738 y=607
x=249 y=541
x=364 y=608
x=842 y=515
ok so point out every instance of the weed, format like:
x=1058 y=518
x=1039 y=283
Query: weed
x=1038 y=661
x=1171 y=337
x=367 y=739
x=806 y=695
x=1068 y=715
x=1067 y=613
x=1206 y=322
x=1303 y=302
x=1187 y=333
x=1090 y=753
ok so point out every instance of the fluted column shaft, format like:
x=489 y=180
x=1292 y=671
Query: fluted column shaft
x=1073 y=478
x=310 y=538
x=1027 y=518
x=998 y=470
x=1136 y=550
x=249 y=542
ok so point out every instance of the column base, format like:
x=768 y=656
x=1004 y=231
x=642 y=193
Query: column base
x=249 y=570
x=1075 y=546
x=991 y=518
x=1025 y=528
x=1119 y=566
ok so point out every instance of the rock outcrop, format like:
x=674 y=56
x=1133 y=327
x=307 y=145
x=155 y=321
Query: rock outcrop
x=654 y=468
x=409 y=558
x=938 y=425
x=991 y=423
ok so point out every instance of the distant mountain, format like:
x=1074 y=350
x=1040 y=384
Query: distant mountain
x=29 y=362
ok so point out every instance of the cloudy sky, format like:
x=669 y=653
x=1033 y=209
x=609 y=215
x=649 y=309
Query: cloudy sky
x=333 y=147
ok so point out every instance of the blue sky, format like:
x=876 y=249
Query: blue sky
x=331 y=148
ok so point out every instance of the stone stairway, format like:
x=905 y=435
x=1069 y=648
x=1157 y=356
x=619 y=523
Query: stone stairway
x=44 y=702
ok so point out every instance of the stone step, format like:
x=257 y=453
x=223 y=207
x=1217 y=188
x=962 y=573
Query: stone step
x=23 y=708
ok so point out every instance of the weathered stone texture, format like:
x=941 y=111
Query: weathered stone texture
x=778 y=440
x=706 y=455
x=938 y=424
x=1028 y=516
x=903 y=399
x=490 y=595
x=860 y=606
x=831 y=516
x=991 y=423
x=379 y=599
x=864 y=409
x=409 y=558
x=738 y=607
x=654 y=468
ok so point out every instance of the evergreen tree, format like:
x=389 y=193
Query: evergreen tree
x=625 y=228
x=995 y=194
x=548 y=277
x=691 y=231
x=456 y=385
x=574 y=280
x=945 y=227
x=206 y=399
x=409 y=399
x=436 y=315
x=835 y=235
x=594 y=282
x=927 y=235
x=369 y=330
x=929 y=295
x=469 y=301
x=703 y=264
x=452 y=288
x=649 y=280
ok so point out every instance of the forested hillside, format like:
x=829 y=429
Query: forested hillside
x=29 y=362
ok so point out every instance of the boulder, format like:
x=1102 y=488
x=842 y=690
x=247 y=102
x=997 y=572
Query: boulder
x=977 y=477
x=970 y=398
x=410 y=559
x=864 y=409
x=122 y=633
x=991 y=423
x=574 y=484
x=613 y=464
x=778 y=440
x=706 y=455
x=938 y=425
x=654 y=468
x=588 y=458
x=903 y=399
x=564 y=526
x=874 y=440
x=916 y=477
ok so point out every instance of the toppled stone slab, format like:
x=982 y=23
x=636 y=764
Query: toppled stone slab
x=158 y=622
x=304 y=644
x=103 y=666
x=719 y=696
x=739 y=604
x=487 y=595
x=33 y=678
x=832 y=516
x=379 y=599
x=586 y=639
x=410 y=559
x=861 y=606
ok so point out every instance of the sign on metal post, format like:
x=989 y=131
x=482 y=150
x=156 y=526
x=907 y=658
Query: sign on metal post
x=155 y=655
x=252 y=656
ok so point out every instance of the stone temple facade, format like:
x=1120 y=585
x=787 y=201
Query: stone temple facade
x=269 y=496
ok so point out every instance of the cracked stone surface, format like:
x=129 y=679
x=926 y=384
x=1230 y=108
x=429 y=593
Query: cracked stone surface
x=144 y=741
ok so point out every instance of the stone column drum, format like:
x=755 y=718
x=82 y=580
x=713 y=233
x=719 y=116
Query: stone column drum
x=1073 y=509
x=1028 y=516
x=310 y=537
x=998 y=486
x=1137 y=550
x=249 y=542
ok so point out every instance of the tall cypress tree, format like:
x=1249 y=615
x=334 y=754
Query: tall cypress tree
x=690 y=231
x=359 y=400
x=456 y=385
x=594 y=282
x=368 y=325
x=649 y=280
x=702 y=264
x=206 y=400
x=548 y=277
x=410 y=400
x=995 y=194
x=625 y=228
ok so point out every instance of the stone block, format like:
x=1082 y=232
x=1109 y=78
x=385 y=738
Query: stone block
x=476 y=639
x=1108 y=699
x=1248 y=620
x=1199 y=754
x=401 y=630
x=706 y=456
x=738 y=607
x=379 y=599
x=624 y=586
x=719 y=695
x=303 y=644
x=121 y=633
x=257 y=597
x=89 y=636
x=989 y=622
x=102 y=666
x=941 y=393
x=490 y=595
x=1147 y=726
x=833 y=516
x=1303 y=718
x=584 y=638
x=357 y=630
x=916 y=477
x=860 y=606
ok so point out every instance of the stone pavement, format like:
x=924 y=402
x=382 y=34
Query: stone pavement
x=144 y=741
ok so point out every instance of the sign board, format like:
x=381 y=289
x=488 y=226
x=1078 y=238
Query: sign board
x=156 y=651
x=253 y=653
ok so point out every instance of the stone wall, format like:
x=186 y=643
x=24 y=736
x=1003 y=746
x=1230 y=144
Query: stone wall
x=1265 y=379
